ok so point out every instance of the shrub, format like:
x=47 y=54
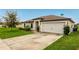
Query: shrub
x=66 y=30
x=27 y=28
x=3 y=26
x=75 y=28
x=21 y=28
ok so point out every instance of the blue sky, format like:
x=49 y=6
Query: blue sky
x=27 y=14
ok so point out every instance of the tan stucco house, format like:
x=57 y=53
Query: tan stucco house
x=50 y=23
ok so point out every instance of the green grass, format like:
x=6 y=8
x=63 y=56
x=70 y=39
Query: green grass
x=8 y=33
x=70 y=42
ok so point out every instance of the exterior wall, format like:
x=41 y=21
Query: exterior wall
x=20 y=25
x=71 y=25
x=27 y=24
x=34 y=24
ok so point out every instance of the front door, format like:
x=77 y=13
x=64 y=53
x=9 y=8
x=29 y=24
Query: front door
x=37 y=26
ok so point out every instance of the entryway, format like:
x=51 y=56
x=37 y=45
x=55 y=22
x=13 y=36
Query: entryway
x=37 y=26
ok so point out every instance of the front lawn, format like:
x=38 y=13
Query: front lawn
x=8 y=33
x=70 y=42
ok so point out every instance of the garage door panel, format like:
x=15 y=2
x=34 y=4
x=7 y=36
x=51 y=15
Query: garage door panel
x=52 y=27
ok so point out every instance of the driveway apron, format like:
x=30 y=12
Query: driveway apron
x=36 y=41
x=3 y=46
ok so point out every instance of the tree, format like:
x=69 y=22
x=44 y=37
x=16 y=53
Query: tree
x=61 y=14
x=11 y=19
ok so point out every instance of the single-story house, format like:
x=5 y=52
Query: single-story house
x=50 y=23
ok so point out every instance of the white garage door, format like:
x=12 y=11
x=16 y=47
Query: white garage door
x=53 y=27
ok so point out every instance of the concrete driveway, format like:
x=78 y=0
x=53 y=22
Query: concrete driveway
x=36 y=41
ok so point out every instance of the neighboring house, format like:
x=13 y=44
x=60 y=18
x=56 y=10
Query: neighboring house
x=50 y=23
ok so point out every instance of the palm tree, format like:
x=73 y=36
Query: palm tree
x=61 y=14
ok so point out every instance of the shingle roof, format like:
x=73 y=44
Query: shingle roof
x=53 y=18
